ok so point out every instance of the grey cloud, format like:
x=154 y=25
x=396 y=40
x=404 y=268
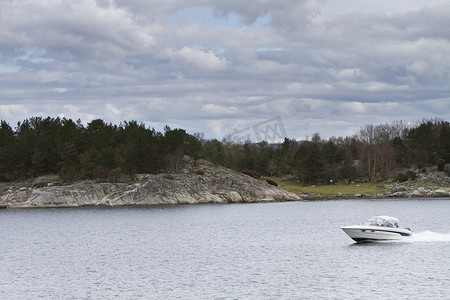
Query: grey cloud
x=72 y=30
x=124 y=60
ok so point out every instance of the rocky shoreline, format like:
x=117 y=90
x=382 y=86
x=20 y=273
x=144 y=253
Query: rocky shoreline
x=429 y=184
x=432 y=183
x=199 y=182
x=401 y=191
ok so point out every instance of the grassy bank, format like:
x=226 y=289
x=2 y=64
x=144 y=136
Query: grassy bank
x=369 y=189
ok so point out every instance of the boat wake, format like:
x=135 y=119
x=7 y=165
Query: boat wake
x=428 y=236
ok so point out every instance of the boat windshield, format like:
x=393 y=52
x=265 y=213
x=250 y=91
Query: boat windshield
x=383 y=221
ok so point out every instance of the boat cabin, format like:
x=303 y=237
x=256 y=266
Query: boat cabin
x=383 y=221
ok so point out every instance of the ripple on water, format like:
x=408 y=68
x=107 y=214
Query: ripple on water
x=249 y=251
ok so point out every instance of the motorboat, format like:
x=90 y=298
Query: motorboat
x=378 y=228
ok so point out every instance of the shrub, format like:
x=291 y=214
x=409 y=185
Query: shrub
x=402 y=177
x=250 y=173
x=168 y=176
x=271 y=182
x=447 y=169
x=405 y=176
x=440 y=164
x=411 y=175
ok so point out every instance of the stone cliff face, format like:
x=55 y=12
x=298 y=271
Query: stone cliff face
x=199 y=182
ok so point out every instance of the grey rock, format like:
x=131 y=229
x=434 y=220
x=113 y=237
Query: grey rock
x=419 y=193
x=440 y=193
x=45 y=180
x=216 y=185
x=400 y=194
x=398 y=188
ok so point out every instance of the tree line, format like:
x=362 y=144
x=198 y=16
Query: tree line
x=98 y=151
x=376 y=152
x=105 y=151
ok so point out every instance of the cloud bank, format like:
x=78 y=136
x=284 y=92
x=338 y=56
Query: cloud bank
x=214 y=66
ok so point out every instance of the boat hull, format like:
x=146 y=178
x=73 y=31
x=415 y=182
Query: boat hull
x=374 y=233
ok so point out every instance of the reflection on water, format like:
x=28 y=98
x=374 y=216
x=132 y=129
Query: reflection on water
x=291 y=250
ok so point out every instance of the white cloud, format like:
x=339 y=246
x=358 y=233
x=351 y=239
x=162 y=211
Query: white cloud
x=347 y=74
x=112 y=108
x=59 y=90
x=8 y=68
x=205 y=60
x=70 y=108
x=8 y=111
x=218 y=110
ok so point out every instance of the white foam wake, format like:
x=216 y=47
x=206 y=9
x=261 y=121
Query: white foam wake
x=429 y=236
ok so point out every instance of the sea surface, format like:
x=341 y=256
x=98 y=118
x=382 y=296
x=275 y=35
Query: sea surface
x=289 y=250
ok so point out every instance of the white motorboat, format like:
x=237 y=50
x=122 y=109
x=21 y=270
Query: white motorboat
x=379 y=228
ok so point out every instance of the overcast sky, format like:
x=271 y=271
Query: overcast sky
x=218 y=66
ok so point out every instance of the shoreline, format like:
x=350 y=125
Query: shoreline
x=205 y=183
x=161 y=205
x=310 y=199
x=369 y=190
x=325 y=198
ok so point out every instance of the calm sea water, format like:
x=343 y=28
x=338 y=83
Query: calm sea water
x=290 y=250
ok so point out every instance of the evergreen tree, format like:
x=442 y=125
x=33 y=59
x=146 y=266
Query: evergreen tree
x=310 y=163
x=8 y=145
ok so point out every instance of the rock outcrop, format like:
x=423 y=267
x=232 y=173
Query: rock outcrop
x=199 y=182
x=414 y=191
x=431 y=183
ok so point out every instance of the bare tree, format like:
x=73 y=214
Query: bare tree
x=377 y=153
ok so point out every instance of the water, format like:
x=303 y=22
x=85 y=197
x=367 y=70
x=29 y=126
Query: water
x=290 y=250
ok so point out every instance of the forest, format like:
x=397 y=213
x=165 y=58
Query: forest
x=107 y=152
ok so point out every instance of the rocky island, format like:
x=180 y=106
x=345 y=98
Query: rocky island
x=199 y=181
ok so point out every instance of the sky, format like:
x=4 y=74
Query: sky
x=223 y=67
